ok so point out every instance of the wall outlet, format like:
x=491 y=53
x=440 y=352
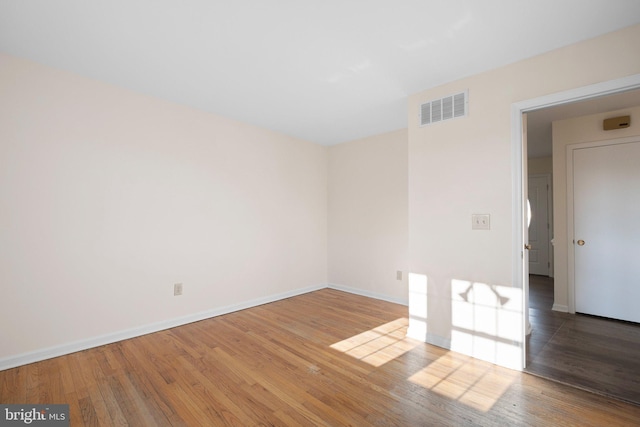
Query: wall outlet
x=177 y=289
x=398 y=275
x=480 y=222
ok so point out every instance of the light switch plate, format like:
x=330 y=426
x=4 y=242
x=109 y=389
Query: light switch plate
x=177 y=289
x=480 y=222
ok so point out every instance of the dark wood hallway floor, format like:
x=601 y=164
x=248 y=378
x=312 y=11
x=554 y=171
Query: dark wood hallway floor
x=591 y=353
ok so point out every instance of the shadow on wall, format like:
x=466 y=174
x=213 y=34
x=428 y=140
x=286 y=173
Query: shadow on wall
x=484 y=321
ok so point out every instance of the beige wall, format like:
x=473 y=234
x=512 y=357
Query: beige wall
x=367 y=216
x=540 y=165
x=566 y=132
x=464 y=166
x=109 y=197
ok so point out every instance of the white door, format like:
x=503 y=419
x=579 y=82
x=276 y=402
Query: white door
x=606 y=209
x=539 y=226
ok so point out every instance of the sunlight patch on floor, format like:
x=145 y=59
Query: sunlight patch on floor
x=379 y=345
x=475 y=383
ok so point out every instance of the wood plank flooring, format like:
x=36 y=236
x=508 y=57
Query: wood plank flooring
x=326 y=358
x=596 y=354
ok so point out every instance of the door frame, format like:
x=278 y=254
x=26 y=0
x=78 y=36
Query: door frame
x=519 y=182
x=571 y=247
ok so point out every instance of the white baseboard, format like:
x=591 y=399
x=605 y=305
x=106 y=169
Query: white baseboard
x=60 y=350
x=561 y=308
x=429 y=338
x=364 y=293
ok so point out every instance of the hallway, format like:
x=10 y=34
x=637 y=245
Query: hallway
x=591 y=353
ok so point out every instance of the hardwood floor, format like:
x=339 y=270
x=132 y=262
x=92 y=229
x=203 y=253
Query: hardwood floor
x=323 y=358
x=596 y=354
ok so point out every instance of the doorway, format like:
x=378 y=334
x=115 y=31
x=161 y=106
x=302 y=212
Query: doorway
x=574 y=348
x=519 y=159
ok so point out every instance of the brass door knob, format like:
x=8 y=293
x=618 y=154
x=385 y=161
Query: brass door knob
x=528 y=247
x=580 y=242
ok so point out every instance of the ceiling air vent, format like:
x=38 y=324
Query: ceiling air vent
x=449 y=107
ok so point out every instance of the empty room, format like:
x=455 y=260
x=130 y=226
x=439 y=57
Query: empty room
x=319 y=213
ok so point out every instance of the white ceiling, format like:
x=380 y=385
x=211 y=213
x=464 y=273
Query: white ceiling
x=326 y=71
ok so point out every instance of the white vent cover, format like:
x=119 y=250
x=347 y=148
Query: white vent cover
x=449 y=107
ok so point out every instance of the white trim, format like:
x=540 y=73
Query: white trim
x=60 y=350
x=430 y=338
x=561 y=308
x=364 y=293
x=571 y=292
x=63 y=349
x=571 y=260
x=579 y=94
x=518 y=168
x=518 y=157
x=440 y=341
